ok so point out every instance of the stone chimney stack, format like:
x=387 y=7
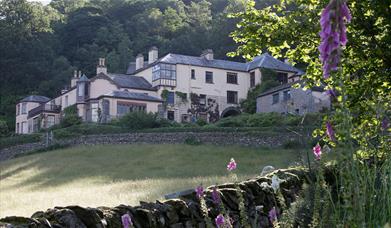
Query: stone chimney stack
x=74 y=79
x=139 y=61
x=101 y=68
x=207 y=54
x=153 y=54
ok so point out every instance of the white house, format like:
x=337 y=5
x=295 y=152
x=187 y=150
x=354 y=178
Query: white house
x=178 y=87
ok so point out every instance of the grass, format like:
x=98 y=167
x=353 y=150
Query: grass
x=109 y=175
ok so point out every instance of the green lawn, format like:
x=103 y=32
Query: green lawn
x=109 y=175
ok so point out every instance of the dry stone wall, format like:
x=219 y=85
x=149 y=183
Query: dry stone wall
x=216 y=138
x=183 y=212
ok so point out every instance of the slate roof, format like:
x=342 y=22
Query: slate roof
x=288 y=85
x=35 y=98
x=132 y=82
x=262 y=61
x=83 y=78
x=132 y=96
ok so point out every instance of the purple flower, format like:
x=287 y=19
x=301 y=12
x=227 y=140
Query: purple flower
x=199 y=191
x=126 y=221
x=333 y=34
x=330 y=132
x=216 y=196
x=273 y=215
x=220 y=221
x=231 y=165
x=317 y=151
x=384 y=123
x=331 y=93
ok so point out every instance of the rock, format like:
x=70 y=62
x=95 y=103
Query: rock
x=267 y=169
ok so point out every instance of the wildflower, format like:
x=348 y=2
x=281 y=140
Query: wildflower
x=273 y=215
x=317 y=151
x=216 y=196
x=199 y=191
x=126 y=221
x=384 y=123
x=333 y=34
x=220 y=221
x=329 y=131
x=331 y=93
x=275 y=183
x=231 y=165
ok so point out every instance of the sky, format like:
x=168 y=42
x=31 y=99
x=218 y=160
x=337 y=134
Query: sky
x=45 y=2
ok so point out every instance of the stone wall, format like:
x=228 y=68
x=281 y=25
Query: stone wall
x=184 y=212
x=216 y=138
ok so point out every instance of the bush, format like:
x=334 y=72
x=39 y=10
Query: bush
x=139 y=120
x=70 y=117
x=191 y=140
x=265 y=120
x=201 y=122
x=4 y=131
x=87 y=129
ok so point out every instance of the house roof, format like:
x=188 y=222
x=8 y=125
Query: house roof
x=35 y=98
x=129 y=81
x=262 y=61
x=83 y=78
x=289 y=85
x=132 y=96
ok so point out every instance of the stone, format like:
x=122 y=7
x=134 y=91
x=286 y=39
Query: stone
x=267 y=169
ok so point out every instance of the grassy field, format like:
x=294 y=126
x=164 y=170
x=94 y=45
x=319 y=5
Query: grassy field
x=109 y=175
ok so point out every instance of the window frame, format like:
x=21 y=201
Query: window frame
x=275 y=101
x=232 y=78
x=192 y=74
x=235 y=97
x=252 y=79
x=286 y=95
x=210 y=75
x=24 y=108
x=170 y=98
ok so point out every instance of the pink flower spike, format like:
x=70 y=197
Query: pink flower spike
x=220 y=221
x=126 y=221
x=199 y=191
x=216 y=196
x=317 y=151
x=273 y=215
x=231 y=165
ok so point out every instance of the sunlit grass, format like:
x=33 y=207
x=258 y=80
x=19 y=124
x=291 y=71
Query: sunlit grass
x=110 y=175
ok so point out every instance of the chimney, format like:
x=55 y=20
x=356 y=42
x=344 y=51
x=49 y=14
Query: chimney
x=101 y=68
x=207 y=54
x=74 y=79
x=139 y=61
x=153 y=54
x=78 y=76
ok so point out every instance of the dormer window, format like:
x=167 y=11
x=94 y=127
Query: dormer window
x=164 y=74
x=282 y=77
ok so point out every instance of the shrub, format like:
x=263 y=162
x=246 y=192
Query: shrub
x=87 y=129
x=264 y=120
x=70 y=117
x=201 y=122
x=191 y=140
x=139 y=120
x=19 y=139
x=4 y=131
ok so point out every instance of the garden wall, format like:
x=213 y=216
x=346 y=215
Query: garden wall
x=259 y=198
x=217 y=138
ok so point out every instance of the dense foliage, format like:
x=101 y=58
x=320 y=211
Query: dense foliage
x=40 y=45
x=70 y=117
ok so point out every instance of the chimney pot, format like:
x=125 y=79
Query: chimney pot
x=207 y=54
x=139 y=61
x=79 y=74
x=101 y=68
x=153 y=54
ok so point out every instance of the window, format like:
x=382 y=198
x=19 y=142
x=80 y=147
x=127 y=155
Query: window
x=171 y=115
x=17 y=109
x=80 y=89
x=163 y=71
x=94 y=112
x=202 y=99
x=287 y=95
x=50 y=121
x=66 y=101
x=193 y=74
x=24 y=108
x=232 y=78
x=36 y=124
x=208 y=77
x=23 y=127
x=252 y=79
x=171 y=98
x=232 y=97
x=125 y=107
x=282 y=77
x=17 y=128
x=276 y=98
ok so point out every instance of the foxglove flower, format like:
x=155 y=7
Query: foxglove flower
x=273 y=215
x=333 y=34
x=329 y=131
x=317 y=151
x=126 y=221
x=231 y=165
x=199 y=191
x=220 y=221
x=216 y=196
x=275 y=183
x=384 y=124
